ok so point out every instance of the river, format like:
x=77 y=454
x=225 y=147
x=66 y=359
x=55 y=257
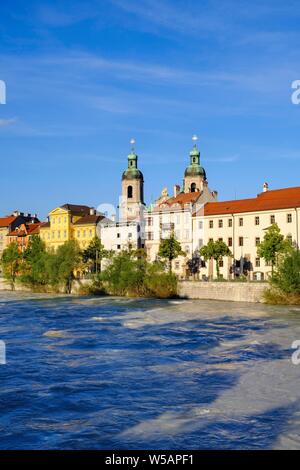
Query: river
x=110 y=373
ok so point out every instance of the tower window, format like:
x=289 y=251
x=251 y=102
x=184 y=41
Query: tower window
x=193 y=187
x=129 y=192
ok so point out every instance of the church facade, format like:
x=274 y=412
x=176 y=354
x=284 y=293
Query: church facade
x=194 y=215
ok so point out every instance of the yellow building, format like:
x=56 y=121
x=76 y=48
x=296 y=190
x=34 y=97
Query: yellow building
x=70 y=222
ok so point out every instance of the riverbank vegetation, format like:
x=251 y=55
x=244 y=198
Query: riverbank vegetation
x=126 y=273
x=284 y=282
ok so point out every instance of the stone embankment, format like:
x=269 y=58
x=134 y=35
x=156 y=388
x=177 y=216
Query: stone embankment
x=234 y=291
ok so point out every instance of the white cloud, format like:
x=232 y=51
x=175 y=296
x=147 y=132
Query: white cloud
x=7 y=122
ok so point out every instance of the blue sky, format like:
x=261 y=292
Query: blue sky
x=84 y=77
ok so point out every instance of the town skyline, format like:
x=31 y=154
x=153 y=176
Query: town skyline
x=74 y=100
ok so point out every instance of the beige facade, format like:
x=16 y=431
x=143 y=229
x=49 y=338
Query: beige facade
x=242 y=232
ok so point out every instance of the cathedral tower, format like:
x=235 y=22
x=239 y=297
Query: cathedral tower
x=194 y=175
x=132 y=202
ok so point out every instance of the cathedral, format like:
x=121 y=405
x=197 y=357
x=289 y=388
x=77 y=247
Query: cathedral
x=193 y=214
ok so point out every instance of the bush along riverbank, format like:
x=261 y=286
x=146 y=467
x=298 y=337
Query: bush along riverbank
x=130 y=274
x=127 y=273
x=285 y=281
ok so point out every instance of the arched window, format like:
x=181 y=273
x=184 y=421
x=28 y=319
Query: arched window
x=193 y=187
x=129 y=192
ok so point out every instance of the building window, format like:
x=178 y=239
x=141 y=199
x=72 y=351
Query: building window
x=129 y=235
x=230 y=241
x=58 y=234
x=257 y=241
x=59 y=220
x=257 y=262
x=220 y=239
x=289 y=218
x=241 y=221
x=65 y=234
x=200 y=242
x=84 y=232
x=289 y=238
x=221 y=263
x=149 y=221
x=118 y=247
x=129 y=192
x=229 y=222
x=118 y=235
x=272 y=219
x=78 y=233
x=200 y=225
x=241 y=241
x=149 y=235
x=256 y=220
x=211 y=224
x=177 y=265
x=193 y=187
x=220 y=223
x=90 y=232
x=210 y=239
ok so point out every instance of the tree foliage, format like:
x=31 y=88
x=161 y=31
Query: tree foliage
x=215 y=250
x=273 y=245
x=11 y=261
x=94 y=254
x=287 y=275
x=130 y=274
x=170 y=249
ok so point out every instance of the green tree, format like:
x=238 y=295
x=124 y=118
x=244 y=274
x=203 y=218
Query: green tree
x=287 y=275
x=170 y=249
x=129 y=273
x=215 y=250
x=273 y=245
x=11 y=262
x=125 y=274
x=62 y=264
x=34 y=267
x=95 y=253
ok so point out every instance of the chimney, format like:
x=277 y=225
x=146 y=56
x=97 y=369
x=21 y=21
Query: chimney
x=113 y=217
x=176 y=190
x=16 y=213
x=215 y=194
x=92 y=211
x=265 y=187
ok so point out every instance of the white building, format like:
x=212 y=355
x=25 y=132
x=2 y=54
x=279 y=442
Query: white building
x=241 y=224
x=118 y=236
x=194 y=216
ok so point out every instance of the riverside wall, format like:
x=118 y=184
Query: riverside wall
x=232 y=291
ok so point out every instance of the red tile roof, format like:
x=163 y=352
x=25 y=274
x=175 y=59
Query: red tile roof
x=31 y=229
x=182 y=199
x=6 y=221
x=286 y=198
